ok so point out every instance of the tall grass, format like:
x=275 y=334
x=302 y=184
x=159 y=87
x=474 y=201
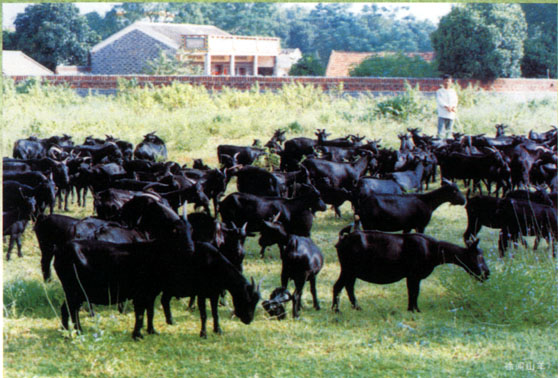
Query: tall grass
x=192 y=120
x=522 y=289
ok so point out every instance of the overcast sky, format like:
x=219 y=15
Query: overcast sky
x=422 y=11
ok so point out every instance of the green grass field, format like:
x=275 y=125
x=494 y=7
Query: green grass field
x=506 y=326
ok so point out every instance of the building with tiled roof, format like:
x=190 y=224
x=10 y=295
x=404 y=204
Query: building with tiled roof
x=16 y=63
x=216 y=51
x=342 y=62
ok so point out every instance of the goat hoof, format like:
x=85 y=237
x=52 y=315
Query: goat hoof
x=218 y=331
x=152 y=332
x=137 y=336
x=357 y=307
x=203 y=335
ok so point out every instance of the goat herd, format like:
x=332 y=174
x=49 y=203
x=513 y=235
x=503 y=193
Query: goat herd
x=138 y=246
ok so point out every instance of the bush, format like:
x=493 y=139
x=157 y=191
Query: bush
x=31 y=298
x=402 y=106
x=396 y=65
x=470 y=96
x=308 y=65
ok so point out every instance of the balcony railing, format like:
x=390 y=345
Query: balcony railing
x=231 y=45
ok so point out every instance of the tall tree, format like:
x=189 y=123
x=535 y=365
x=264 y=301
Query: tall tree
x=333 y=25
x=481 y=40
x=54 y=34
x=112 y=22
x=540 y=55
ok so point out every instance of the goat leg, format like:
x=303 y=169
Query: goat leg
x=139 y=310
x=203 y=316
x=18 y=244
x=214 y=301
x=150 y=312
x=350 y=289
x=165 y=302
x=413 y=288
x=312 y=280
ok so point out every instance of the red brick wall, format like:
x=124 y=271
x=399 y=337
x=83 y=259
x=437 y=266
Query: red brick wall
x=349 y=84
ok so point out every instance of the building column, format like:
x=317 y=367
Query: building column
x=255 y=66
x=275 y=66
x=232 y=66
x=207 y=65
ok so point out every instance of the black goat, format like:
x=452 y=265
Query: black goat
x=274 y=306
x=296 y=213
x=15 y=221
x=515 y=218
x=384 y=258
x=394 y=212
x=302 y=261
x=152 y=148
x=229 y=155
x=206 y=275
x=257 y=181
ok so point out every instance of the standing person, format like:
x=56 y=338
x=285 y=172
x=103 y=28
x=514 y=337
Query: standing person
x=446 y=98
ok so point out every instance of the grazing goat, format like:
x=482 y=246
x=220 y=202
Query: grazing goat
x=384 y=258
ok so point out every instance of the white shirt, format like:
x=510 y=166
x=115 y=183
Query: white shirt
x=446 y=97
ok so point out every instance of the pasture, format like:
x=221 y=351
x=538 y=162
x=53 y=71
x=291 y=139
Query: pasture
x=506 y=326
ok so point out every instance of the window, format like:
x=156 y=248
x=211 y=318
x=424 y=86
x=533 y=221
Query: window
x=195 y=42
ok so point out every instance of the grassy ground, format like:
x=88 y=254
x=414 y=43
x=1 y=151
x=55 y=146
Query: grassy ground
x=503 y=327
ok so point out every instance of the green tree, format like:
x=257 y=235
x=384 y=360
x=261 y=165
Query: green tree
x=54 y=34
x=166 y=64
x=308 y=65
x=9 y=41
x=334 y=28
x=540 y=55
x=481 y=40
x=112 y=22
x=396 y=65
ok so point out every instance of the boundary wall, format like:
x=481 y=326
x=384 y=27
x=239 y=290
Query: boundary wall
x=106 y=84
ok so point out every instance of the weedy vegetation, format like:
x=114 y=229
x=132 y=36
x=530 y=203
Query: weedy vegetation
x=466 y=328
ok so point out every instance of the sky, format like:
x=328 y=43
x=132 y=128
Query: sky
x=421 y=11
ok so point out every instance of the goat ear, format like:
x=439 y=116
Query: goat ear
x=472 y=243
x=269 y=224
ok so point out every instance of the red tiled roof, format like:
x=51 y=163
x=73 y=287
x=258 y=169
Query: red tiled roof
x=341 y=62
